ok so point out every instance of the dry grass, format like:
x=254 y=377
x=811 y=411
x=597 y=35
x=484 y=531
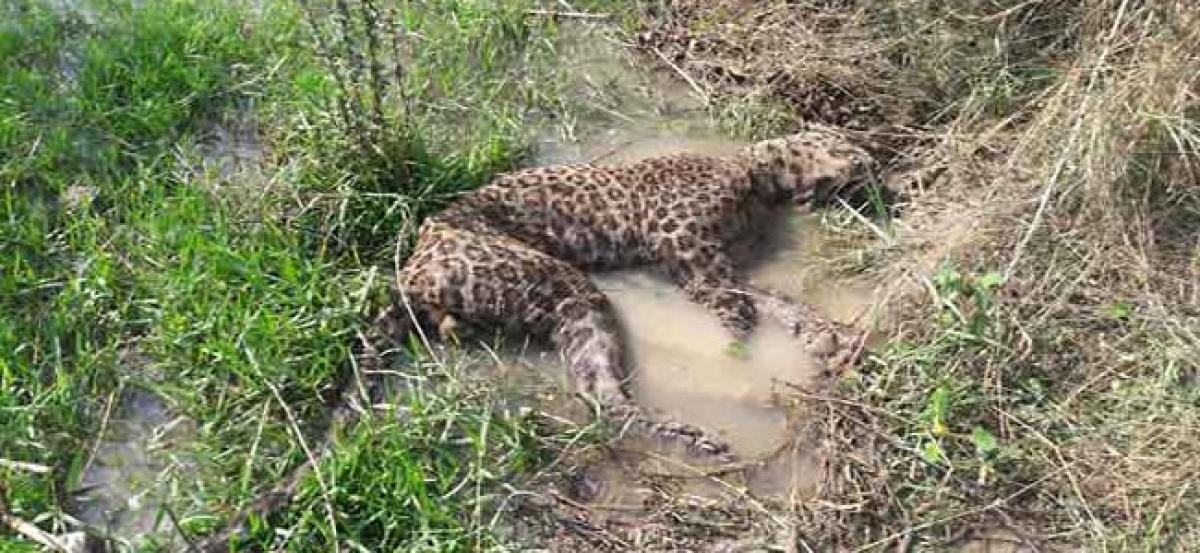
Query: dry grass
x=1040 y=375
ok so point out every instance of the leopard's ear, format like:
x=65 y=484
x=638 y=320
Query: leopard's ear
x=768 y=165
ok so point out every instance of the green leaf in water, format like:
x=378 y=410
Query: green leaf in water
x=738 y=349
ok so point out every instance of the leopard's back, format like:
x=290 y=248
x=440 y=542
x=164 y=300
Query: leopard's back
x=609 y=216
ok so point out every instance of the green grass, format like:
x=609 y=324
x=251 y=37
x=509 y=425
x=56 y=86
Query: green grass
x=428 y=473
x=225 y=297
x=71 y=290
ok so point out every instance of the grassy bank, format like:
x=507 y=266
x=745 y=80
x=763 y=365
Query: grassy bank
x=142 y=259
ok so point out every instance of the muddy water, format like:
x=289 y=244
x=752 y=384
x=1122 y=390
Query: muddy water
x=624 y=110
x=688 y=367
x=684 y=363
x=685 y=366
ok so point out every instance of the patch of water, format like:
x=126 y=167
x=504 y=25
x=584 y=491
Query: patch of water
x=126 y=477
x=233 y=146
x=625 y=110
x=228 y=157
x=687 y=366
x=121 y=489
x=85 y=10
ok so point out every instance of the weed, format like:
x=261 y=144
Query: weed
x=968 y=304
x=375 y=158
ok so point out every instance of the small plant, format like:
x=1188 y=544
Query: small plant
x=935 y=419
x=408 y=105
x=986 y=449
x=937 y=411
x=967 y=304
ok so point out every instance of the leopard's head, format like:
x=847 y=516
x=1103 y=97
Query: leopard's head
x=806 y=166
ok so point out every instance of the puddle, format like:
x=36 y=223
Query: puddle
x=686 y=367
x=123 y=483
x=682 y=361
x=232 y=146
x=627 y=111
x=84 y=10
x=228 y=158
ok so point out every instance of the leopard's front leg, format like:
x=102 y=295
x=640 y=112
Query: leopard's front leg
x=837 y=345
x=705 y=273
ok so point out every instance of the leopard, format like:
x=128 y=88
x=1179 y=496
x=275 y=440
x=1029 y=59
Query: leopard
x=517 y=253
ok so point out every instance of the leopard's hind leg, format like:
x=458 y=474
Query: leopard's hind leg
x=586 y=333
x=492 y=279
x=706 y=275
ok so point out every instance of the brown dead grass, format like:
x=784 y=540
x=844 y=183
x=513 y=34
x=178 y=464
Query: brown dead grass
x=1052 y=144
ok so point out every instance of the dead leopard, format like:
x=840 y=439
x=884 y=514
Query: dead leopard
x=515 y=253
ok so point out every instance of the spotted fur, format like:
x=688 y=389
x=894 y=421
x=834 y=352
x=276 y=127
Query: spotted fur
x=515 y=252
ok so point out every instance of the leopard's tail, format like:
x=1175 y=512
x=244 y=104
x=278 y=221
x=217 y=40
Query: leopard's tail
x=592 y=348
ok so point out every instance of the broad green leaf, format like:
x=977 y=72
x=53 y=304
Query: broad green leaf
x=931 y=452
x=985 y=441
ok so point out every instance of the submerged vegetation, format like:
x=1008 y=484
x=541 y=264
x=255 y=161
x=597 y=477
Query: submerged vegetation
x=200 y=203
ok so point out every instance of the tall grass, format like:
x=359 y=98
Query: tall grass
x=426 y=101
